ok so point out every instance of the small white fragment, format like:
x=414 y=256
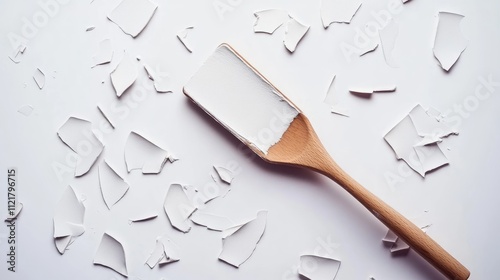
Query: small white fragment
x=427 y=123
x=431 y=157
x=39 y=78
x=390 y=237
x=68 y=220
x=165 y=252
x=144 y=217
x=26 y=110
x=267 y=21
x=90 y=28
x=178 y=208
x=138 y=58
x=105 y=53
x=225 y=174
x=16 y=54
x=73 y=133
x=124 y=75
x=400 y=247
x=157 y=255
x=339 y=110
x=140 y=153
x=370 y=91
x=111 y=254
x=132 y=16
x=388 y=36
x=182 y=36
x=329 y=97
x=318 y=268
x=239 y=246
x=369 y=50
x=449 y=42
x=105 y=115
x=159 y=78
x=210 y=221
x=338 y=11
x=113 y=187
x=294 y=33
x=12 y=215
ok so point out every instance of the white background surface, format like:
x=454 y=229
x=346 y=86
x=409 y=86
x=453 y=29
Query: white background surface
x=305 y=209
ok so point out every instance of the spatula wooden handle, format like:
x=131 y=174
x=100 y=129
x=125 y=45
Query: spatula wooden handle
x=402 y=227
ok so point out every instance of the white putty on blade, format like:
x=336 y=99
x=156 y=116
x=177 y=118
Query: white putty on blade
x=182 y=36
x=113 y=187
x=77 y=134
x=339 y=11
x=111 y=254
x=239 y=246
x=225 y=174
x=68 y=220
x=39 y=78
x=178 y=208
x=267 y=21
x=240 y=99
x=140 y=153
x=124 y=75
x=324 y=268
x=449 y=42
x=294 y=33
x=132 y=16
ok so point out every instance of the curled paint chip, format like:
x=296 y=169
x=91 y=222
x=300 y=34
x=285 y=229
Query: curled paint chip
x=178 y=207
x=211 y=221
x=140 y=153
x=240 y=245
x=449 y=42
x=318 y=268
x=105 y=53
x=113 y=187
x=39 y=78
x=68 y=220
x=78 y=136
x=124 y=75
x=267 y=21
x=143 y=217
x=338 y=11
x=294 y=33
x=370 y=91
x=388 y=36
x=111 y=254
x=132 y=16
x=225 y=174
x=182 y=36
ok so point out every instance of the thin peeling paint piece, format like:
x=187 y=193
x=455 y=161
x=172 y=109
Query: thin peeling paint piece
x=164 y=253
x=338 y=11
x=17 y=53
x=182 y=36
x=90 y=28
x=429 y=123
x=105 y=53
x=369 y=50
x=178 y=207
x=132 y=16
x=390 y=237
x=140 y=153
x=124 y=75
x=144 y=217
x=211 y=221
x=113 y=187
x=68 y=220
x=339 y=110
x=449 y=42
x=431 y=157
x=330 y=97
x=400 y=247
x=294 y=33
x=324 y=268
x=39 y=78
x=225 y=174
x=111 y=254
x=12 y=215
x=239 y=246
x=370 y=91
x=25 y=110
x=105 y=115
x=77 y=134
x=388 y=36
x=267 y=21
x=159 y=78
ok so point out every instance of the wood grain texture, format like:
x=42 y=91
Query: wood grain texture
x=301 y=147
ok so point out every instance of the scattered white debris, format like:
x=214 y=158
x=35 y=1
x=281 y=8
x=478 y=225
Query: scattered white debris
x=18 y=52
x=113 y=187
x=12 y=215
x=90 y=28
x=159 y=78
x=105 y=53
x=111 y=254
x=323 y=269
x=77 y=134
x=163 y=253
x=449 y=42
x=267 y=21
x=239 y=246
x=178 y=208
x=182 y=36
x=132 y=16
x=140 y=153
x=105 y=115
x=369 y=50
x=370 y=91
x=388 y=36
x=68 y=220
x=210 y=221
x=26 y=110
x=338 y=11
x=39 y=78
x=225 y=174
x=294 y=33
x=124 y=75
